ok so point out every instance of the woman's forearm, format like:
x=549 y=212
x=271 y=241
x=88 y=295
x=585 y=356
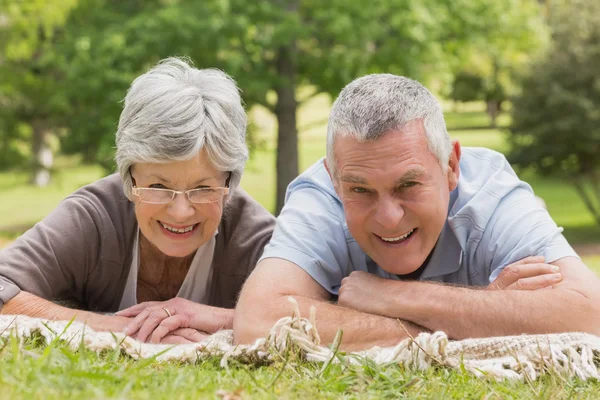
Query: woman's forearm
x=33 y=306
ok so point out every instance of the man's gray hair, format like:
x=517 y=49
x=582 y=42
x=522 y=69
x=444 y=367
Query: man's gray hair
x=373 y=105
x=173 y=111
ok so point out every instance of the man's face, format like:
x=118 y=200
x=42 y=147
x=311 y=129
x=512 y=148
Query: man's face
x=395 y=195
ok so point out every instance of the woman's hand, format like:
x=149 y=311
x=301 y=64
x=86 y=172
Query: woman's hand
x=175 y=321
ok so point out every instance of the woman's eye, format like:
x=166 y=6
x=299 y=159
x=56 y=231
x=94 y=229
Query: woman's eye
x=157 y=186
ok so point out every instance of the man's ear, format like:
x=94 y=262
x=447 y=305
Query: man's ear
x=331 y=176
x=454 y=165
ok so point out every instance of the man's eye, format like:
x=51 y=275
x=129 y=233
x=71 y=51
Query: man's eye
x=157 y=186
x=358 y=190
x=408 y=184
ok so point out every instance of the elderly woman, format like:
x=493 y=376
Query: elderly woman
x=170 y=239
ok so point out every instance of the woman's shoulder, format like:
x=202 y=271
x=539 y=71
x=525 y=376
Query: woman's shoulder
x=102 y=207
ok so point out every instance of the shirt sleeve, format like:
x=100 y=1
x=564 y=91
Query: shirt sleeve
x=52 y=259
x=520 y=227
x=310 y=233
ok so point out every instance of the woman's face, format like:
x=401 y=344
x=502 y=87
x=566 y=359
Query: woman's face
x=180 y=227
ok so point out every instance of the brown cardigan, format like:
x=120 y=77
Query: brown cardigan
x=83 y=250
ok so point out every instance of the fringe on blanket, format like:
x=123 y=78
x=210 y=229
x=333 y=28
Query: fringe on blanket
x=571 y=355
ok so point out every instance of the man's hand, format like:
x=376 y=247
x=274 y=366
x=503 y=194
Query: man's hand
x=530 y=273
x=155 y=321
x=364 y=292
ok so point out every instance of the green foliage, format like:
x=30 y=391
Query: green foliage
x=556 y=119
x=467 y=86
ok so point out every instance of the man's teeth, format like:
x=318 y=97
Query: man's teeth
x=397 y=238
x=177 y=230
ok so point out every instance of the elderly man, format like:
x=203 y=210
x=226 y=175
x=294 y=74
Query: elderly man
x=406 y=229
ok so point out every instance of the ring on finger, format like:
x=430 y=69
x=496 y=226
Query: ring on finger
x=167 y=311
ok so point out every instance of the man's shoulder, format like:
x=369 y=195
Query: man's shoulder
x=487 y=183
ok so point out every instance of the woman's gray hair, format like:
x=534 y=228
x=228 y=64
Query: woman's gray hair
x=373 y=105
x=173 y=111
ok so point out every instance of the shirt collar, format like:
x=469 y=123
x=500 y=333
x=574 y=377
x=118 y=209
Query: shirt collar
x=447 y=253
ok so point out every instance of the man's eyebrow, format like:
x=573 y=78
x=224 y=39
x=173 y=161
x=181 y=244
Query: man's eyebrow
x=413 y=174
x=353 y=179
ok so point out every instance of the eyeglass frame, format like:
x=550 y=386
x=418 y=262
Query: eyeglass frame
x=136 y=190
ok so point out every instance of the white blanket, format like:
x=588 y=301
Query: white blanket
x=511 y=357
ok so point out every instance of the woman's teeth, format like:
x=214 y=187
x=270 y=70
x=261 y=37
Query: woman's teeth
x=177 y=230
x=395 y=239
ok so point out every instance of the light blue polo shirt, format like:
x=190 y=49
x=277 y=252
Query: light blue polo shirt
x=493 y=220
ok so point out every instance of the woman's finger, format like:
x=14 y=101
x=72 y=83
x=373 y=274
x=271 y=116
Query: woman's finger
x=536 y=282
x=133 y=327
x=191 y=334
x=167 y=326
x=174 y=339
x=135 y=310
x=155 y=317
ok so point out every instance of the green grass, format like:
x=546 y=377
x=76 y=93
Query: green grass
x=30 y=371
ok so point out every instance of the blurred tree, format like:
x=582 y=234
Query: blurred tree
x=556 y=118
x=515 y=33
x=279 y=46
x=29 y=30
x=271 y=47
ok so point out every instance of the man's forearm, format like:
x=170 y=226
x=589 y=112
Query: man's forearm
x=464 y=312
x=360 y=331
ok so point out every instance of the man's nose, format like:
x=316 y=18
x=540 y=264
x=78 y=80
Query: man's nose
x=389 y=213
x=181 y=208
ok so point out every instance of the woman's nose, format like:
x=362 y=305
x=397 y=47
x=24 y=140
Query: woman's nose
x=181 y=208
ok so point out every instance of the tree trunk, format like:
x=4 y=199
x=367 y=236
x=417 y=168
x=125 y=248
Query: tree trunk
x=285 y=110
x=493 y=110
x=579 y=184
x=41 y=153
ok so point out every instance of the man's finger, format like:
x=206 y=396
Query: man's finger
x=530 y=260
x=135 y=310
x=166 y=327
x=512 y=273
x=536 y=282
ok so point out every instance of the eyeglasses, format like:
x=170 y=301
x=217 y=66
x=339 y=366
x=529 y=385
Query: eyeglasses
x=165 y=196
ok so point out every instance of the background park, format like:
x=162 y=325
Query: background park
x=518 y=76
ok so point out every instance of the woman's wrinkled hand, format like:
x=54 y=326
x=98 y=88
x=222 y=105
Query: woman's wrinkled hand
x=175 y=321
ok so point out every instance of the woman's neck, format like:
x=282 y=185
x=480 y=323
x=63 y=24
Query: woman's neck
x=160 y=276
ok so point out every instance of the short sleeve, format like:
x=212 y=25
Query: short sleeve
x=520 y=227
x=310 y=233
x=52 y=259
